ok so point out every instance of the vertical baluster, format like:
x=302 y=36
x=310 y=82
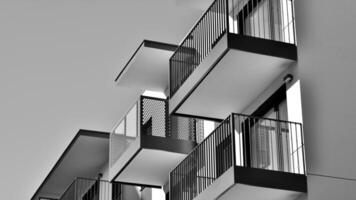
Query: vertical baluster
x=207 y=161
x=205 y=34
x=205 y=165
x=283 y=22
x=211 y=26
x=198 y=166
x=218 y=12
x=291 y=133
x=302 y=146
x=296 y=132
x=239 y=131
x=287 y=16
x=293 y=23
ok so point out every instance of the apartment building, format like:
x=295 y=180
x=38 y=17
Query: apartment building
x=250 y=105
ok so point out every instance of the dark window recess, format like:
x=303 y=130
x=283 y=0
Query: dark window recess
x=261 y=134
x=167 y=196
x=116 y=191
x=147 y=127
x=93 y=192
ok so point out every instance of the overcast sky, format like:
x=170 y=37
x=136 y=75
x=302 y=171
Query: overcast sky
x=58 y=62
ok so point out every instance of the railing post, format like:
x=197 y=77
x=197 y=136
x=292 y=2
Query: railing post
x=170 y=78
x=167 y=127
x=233 y=145
x=246 y=141
x=140 y=119
x=227 y=16
x=75 y=189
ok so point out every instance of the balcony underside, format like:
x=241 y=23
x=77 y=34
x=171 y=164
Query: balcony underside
x=257 y=184
x=148 y=67
x=148 y=160
x=85 y=156
x=234 y=73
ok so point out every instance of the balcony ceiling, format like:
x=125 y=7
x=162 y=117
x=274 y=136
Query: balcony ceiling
x=148 y=167
x=233 y=84
x=148 y=68
x=86 y=155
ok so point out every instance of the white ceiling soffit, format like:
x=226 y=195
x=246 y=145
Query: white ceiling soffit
x=233 y=84
x=85 y=156
x=148 y=68
x=150 y=167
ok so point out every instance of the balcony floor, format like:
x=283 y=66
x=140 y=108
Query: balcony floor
x=257 y=184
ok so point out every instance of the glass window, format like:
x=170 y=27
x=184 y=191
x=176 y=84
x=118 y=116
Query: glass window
x=120 y=129
x=131 y=122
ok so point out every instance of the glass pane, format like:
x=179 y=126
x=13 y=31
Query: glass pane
x=209 y=126
x=120 y=129
x=131 y=122
x=283 y=111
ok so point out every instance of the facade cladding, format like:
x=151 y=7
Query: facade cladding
x=232 y=124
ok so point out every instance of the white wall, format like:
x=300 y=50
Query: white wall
x=323 y=188
x=326 y=51
x=326 y=48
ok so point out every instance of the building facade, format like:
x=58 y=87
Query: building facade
x=256 y=102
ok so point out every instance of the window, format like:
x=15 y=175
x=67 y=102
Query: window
x=128 y=125
x=268 y=136
x=116 y=191
x=120 y=129
x=131 y=122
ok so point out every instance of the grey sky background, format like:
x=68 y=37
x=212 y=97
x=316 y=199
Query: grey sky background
x=58 y=62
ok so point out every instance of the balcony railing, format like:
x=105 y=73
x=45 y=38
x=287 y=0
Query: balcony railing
x=240 y=140
x=149 y=116
x=267 y=19
x=91 y=189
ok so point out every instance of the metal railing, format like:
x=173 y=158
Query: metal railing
x=149 y=116
x=198 y=43
x=239 y=140
x=91 y=189
x=267 y=19
x=204 y=164
x=156 y=121
x=269 y=144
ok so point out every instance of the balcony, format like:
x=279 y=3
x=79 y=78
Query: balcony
x=245 y=157
x=234 y=51
x=148 y=143
x=87 y=155
x=147 y=69
x=91 y=189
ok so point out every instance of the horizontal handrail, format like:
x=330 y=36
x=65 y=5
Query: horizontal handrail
x=266 y=118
